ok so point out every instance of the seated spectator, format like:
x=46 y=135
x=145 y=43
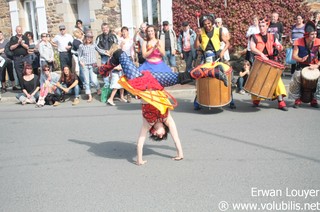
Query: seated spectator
x=68 y=84
x=243 y=76
x=48 y=87
x=30 y=86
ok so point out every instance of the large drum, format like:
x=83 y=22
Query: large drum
x=263 y=78
x=309 y=80
x=211 y=92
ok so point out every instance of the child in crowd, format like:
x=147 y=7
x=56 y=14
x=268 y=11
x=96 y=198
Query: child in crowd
x=243 y=76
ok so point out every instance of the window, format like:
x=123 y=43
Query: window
x=150 y=10
x=31 y=18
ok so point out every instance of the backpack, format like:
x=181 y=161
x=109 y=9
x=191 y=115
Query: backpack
x=8 y=52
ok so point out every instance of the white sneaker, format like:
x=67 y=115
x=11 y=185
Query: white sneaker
x=242 y=92
x=75 y=101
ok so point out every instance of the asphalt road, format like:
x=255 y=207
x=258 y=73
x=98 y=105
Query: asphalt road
x=81 y=158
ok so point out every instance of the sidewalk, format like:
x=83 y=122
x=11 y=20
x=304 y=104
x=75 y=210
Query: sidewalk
x=10 y=95
x=187 y=89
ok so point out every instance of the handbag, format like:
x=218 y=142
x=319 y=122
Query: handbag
x=289 y=59
x=95 y=68
x=105 y=93
x=50 y=99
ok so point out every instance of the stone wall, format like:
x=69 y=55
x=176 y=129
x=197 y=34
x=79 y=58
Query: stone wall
x=5 y=23
x=56 y=14
x=109 y=13
x=314 y=5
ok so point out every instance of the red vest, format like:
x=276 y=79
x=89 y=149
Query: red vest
x=260 y=45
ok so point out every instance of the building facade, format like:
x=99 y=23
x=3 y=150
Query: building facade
x=40 y=16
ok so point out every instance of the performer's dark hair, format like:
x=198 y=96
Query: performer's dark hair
x=209 y=17
x=155 y=31
x=300 y=16
x=124 y=28
x=264 y=20
x=156 y=138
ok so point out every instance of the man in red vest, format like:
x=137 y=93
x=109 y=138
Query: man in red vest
x=267 y=46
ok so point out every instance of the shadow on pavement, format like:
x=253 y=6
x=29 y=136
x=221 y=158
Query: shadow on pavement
x=293 y=154
x=121 y=149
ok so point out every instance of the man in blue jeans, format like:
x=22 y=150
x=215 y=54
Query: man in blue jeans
x=185 y=45
x=168 y=37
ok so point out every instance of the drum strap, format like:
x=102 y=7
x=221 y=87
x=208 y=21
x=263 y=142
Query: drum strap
x=308 y=49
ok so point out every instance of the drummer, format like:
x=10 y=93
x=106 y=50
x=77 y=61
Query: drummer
x=306 y=53
x=208 y=40
x=267 y=46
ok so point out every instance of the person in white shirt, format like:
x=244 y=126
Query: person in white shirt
x=253 y=29
x=63 y=42
x=225 y=31
x=185 y=45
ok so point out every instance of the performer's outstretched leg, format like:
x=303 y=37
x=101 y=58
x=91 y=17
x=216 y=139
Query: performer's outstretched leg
x=166 y=79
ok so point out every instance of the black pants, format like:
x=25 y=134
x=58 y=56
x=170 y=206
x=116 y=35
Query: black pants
x=7 y=66
x=19 y=65
x=188 y=58
x=65 y=60
x=249 y=57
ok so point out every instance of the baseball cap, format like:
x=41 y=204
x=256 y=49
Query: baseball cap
x=165 y=23
x=185 y=23
x=62 y=27
x=89 y=34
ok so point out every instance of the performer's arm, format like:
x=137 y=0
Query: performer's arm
x=278 y=45
x=174 y=134
x=142 y=137
x=146 y=53
x=225 y=38
x=160 y=46
x=249 y=32
x=198 y=39
x=296 y=57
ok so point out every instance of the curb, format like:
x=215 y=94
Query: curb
x=174 y=92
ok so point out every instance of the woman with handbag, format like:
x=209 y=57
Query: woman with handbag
x=88 y=62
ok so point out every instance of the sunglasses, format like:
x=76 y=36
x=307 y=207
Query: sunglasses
x=62 y=29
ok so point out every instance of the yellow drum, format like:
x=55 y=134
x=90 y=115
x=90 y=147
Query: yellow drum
x=211 y=92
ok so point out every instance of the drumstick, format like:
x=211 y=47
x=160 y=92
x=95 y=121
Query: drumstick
x=216 y=61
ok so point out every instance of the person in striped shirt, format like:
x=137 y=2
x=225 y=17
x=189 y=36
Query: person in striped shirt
x=88 y=62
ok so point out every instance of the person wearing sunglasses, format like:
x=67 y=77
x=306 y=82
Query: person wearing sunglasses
x=63 y=42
